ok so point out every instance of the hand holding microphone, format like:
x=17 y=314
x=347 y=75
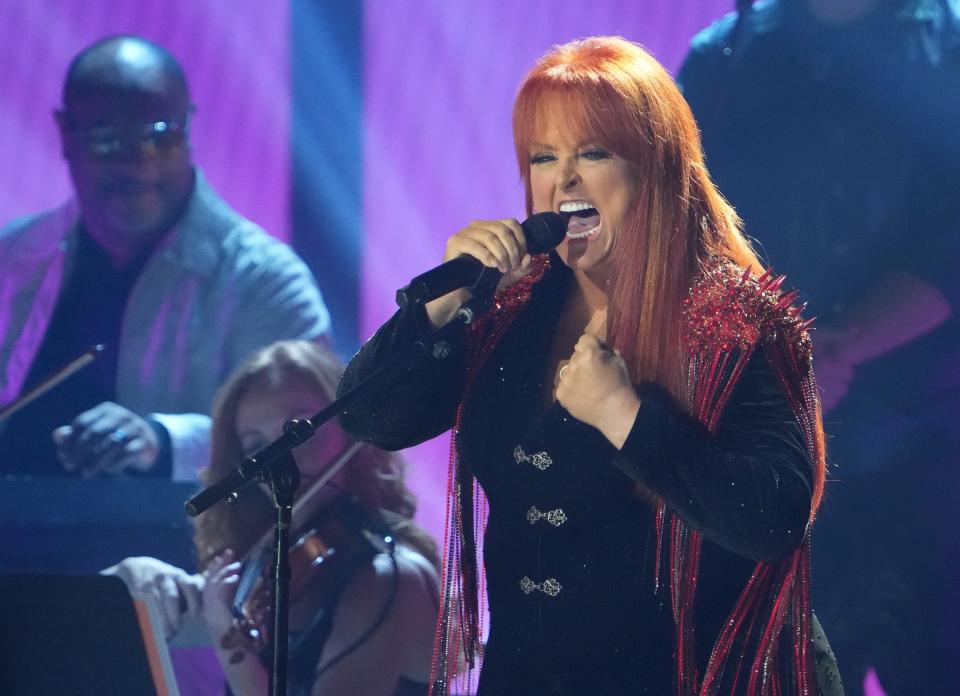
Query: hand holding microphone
x=495 y=244
x=505 y=246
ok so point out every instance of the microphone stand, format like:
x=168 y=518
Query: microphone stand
x=274 y=464
x=284 y=480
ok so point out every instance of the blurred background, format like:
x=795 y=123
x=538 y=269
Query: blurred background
x=364 y=134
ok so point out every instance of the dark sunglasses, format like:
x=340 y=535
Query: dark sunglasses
x=110 y=141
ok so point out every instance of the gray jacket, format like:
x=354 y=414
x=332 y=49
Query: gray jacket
x=215 y=290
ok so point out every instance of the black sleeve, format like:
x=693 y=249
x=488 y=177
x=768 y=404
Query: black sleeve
x=705 y=66
x=699 y=73
x=747 y=487
x=414 y=406
x=163 y=466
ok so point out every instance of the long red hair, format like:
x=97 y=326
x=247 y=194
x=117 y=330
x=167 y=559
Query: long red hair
x=610 y=92
x=613 y=92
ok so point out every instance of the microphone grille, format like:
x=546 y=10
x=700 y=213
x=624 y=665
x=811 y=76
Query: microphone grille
x=544 y=231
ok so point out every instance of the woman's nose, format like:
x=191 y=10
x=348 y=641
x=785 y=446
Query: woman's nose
x=568 y=177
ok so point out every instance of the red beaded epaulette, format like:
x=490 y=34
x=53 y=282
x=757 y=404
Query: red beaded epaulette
x=727 y=310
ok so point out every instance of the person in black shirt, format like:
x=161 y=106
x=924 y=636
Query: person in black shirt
x=831 y=126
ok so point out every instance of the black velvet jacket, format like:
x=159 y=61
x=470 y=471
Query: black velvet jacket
x=568 y=546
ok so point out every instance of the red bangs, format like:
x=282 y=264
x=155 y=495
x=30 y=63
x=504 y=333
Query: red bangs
x=597 y=90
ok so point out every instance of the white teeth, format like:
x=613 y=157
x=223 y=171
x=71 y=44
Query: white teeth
x=585 y=233
x=574 y=206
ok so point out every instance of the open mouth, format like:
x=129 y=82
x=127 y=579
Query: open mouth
x=584 y=220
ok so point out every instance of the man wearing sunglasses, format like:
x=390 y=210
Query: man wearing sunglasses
x=147 y=259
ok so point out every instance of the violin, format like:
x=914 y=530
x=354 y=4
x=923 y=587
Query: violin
x=341 y=538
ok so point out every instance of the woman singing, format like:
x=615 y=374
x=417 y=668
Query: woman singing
x=637 y=438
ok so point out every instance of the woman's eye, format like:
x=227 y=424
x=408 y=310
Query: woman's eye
x=595 y=154
x=541 y=157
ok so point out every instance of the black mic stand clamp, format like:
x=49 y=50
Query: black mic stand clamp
x=482 y=292
x=481 y=295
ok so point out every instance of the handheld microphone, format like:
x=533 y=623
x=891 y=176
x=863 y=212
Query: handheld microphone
x=542 y=231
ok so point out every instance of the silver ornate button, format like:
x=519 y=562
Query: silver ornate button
x=549 y=587
x=554 y=517
x=540 y=460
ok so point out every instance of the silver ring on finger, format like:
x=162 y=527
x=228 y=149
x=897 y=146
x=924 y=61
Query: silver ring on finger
x=118 y=436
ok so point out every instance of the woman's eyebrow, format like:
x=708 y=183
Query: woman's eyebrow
x=550 y=146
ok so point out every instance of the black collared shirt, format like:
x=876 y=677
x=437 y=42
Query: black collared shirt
x=89 y=311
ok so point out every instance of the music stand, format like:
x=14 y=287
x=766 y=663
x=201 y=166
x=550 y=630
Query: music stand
x=79 y=634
